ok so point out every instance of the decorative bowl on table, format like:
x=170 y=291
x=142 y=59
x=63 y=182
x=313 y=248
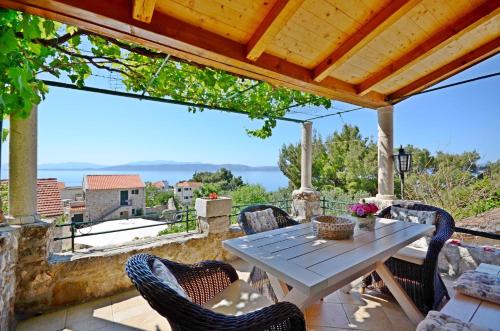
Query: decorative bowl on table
x=332 y=227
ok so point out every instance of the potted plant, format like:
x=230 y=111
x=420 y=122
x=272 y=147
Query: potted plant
x=364 y=214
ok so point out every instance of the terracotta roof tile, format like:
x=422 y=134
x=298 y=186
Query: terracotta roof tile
x=78 y=209
x=111 y=182
x=48 y=198
x=159 y=184
x=189 y=184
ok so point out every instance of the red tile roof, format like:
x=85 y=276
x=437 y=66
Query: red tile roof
x=159 y=184
x=48 y=198
x=111 y=182
x=78 y=209
x=189 y=184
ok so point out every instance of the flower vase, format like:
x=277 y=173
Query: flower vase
x=366 y=223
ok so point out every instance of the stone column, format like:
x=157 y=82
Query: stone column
x=213 y=215
x=23 y=169
x=385 y=152
x=306 y=201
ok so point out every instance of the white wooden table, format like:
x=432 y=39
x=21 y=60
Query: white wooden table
x=477 y=311
x=317 y=267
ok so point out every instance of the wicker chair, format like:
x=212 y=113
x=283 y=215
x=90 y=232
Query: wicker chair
x=421 y=282
x=202 y=281
x=258 y=277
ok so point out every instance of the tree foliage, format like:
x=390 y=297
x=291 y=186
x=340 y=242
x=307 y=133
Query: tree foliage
x=249 y=194
x=344 y=160
x=30 y=45
x=157 y=197
x=223 y=179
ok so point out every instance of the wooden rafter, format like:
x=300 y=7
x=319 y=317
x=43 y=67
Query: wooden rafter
x=183 y=40
x=453 y=31
x=273 y=22
x=143 y=10
x=487 y=50
x=378 y=23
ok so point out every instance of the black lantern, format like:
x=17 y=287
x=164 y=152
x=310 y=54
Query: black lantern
x=402 y=163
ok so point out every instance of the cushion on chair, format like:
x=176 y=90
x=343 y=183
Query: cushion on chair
x=414 y=216
x=480 y=285
x=262 y=220
x=437 y=321
x=163 y=273
x=237 y=299
x=412 y=254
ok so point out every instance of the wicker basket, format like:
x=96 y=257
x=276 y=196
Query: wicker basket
x=332 y=227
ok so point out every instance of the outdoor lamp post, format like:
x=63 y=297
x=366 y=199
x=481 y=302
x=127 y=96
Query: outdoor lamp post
x=402 y=163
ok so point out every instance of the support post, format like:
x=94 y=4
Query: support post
x=23 y=169
x=385 y=152
x=306 y=201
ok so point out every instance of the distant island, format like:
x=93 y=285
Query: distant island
x=153 y=166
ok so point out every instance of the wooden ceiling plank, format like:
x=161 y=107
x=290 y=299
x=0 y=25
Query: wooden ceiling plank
x=273 y=22
x=489 y=49
x=143 y=10
x=380 y=21
x=167 y=34
x=453 y=31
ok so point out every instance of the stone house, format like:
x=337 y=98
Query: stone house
x=184 y=190
x=162 y=185
x=113 y=196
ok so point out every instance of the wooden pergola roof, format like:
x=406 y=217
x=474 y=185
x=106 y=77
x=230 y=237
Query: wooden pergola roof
x=365 y=52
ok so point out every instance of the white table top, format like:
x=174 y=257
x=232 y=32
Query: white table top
x=477 y=311
x=295 y=256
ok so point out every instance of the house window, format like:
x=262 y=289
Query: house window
x=179 y=190
x=186 y=197
x=135 y=191
x=133 y=212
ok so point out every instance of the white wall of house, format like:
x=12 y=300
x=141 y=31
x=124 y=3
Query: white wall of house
x=71 y=193
x=101 y=202
x=185 y=194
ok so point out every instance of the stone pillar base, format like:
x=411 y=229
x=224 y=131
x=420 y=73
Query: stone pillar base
x=306 y=204
x=22 y=220
x=213 y=215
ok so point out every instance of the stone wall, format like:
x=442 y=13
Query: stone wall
x=46 y=283
x=8 y=259
x=101 y=202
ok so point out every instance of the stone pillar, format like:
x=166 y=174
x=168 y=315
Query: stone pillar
x=385 y=152
x=306 y=201
x=23 y=169
x=213 y=215
x=9 y=237
x=306 y=157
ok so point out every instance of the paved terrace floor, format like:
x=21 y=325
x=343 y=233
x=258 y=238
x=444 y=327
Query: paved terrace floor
x=129 y=311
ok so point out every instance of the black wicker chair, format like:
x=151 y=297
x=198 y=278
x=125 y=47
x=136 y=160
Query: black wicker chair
x=258 y=277
x=421 y=282
x=202 y=281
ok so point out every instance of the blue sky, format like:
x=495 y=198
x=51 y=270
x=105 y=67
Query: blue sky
x=87 y=127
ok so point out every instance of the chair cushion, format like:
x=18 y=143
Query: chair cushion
x=480 y=285
x=237 y=299
x=412 y=254
x=414 y=216
x=262 y=220
x=437 y=321
x=165 y=275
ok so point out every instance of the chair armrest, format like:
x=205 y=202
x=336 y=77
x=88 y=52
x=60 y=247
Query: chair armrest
x=203 y=280
x=280 y=316
x=444 y=231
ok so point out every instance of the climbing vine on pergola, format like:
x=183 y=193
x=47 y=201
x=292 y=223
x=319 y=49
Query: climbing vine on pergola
x=30 y=46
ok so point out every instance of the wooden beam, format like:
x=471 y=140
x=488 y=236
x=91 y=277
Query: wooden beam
x=466 y=61
x=180 y=39
x=378 y=23
x=272 y=24
x=436 y=42
x=143 y=10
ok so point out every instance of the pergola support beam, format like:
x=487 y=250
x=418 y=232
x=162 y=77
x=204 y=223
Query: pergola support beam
x=272 y=24
x=143 y=10
x=384 y=18
x=436 y=42
x=23 y=169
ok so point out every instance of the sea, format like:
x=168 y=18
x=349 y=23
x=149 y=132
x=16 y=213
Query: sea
x=270 y=180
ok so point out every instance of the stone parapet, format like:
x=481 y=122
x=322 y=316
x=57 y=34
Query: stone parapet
x=306 y=204
x=9 y=236
x=384 y=203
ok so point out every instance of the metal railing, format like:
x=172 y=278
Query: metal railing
x=187 y=217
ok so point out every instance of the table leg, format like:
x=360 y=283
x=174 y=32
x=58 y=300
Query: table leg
x=282 y=292
x=399 y=293
x=279 y=287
